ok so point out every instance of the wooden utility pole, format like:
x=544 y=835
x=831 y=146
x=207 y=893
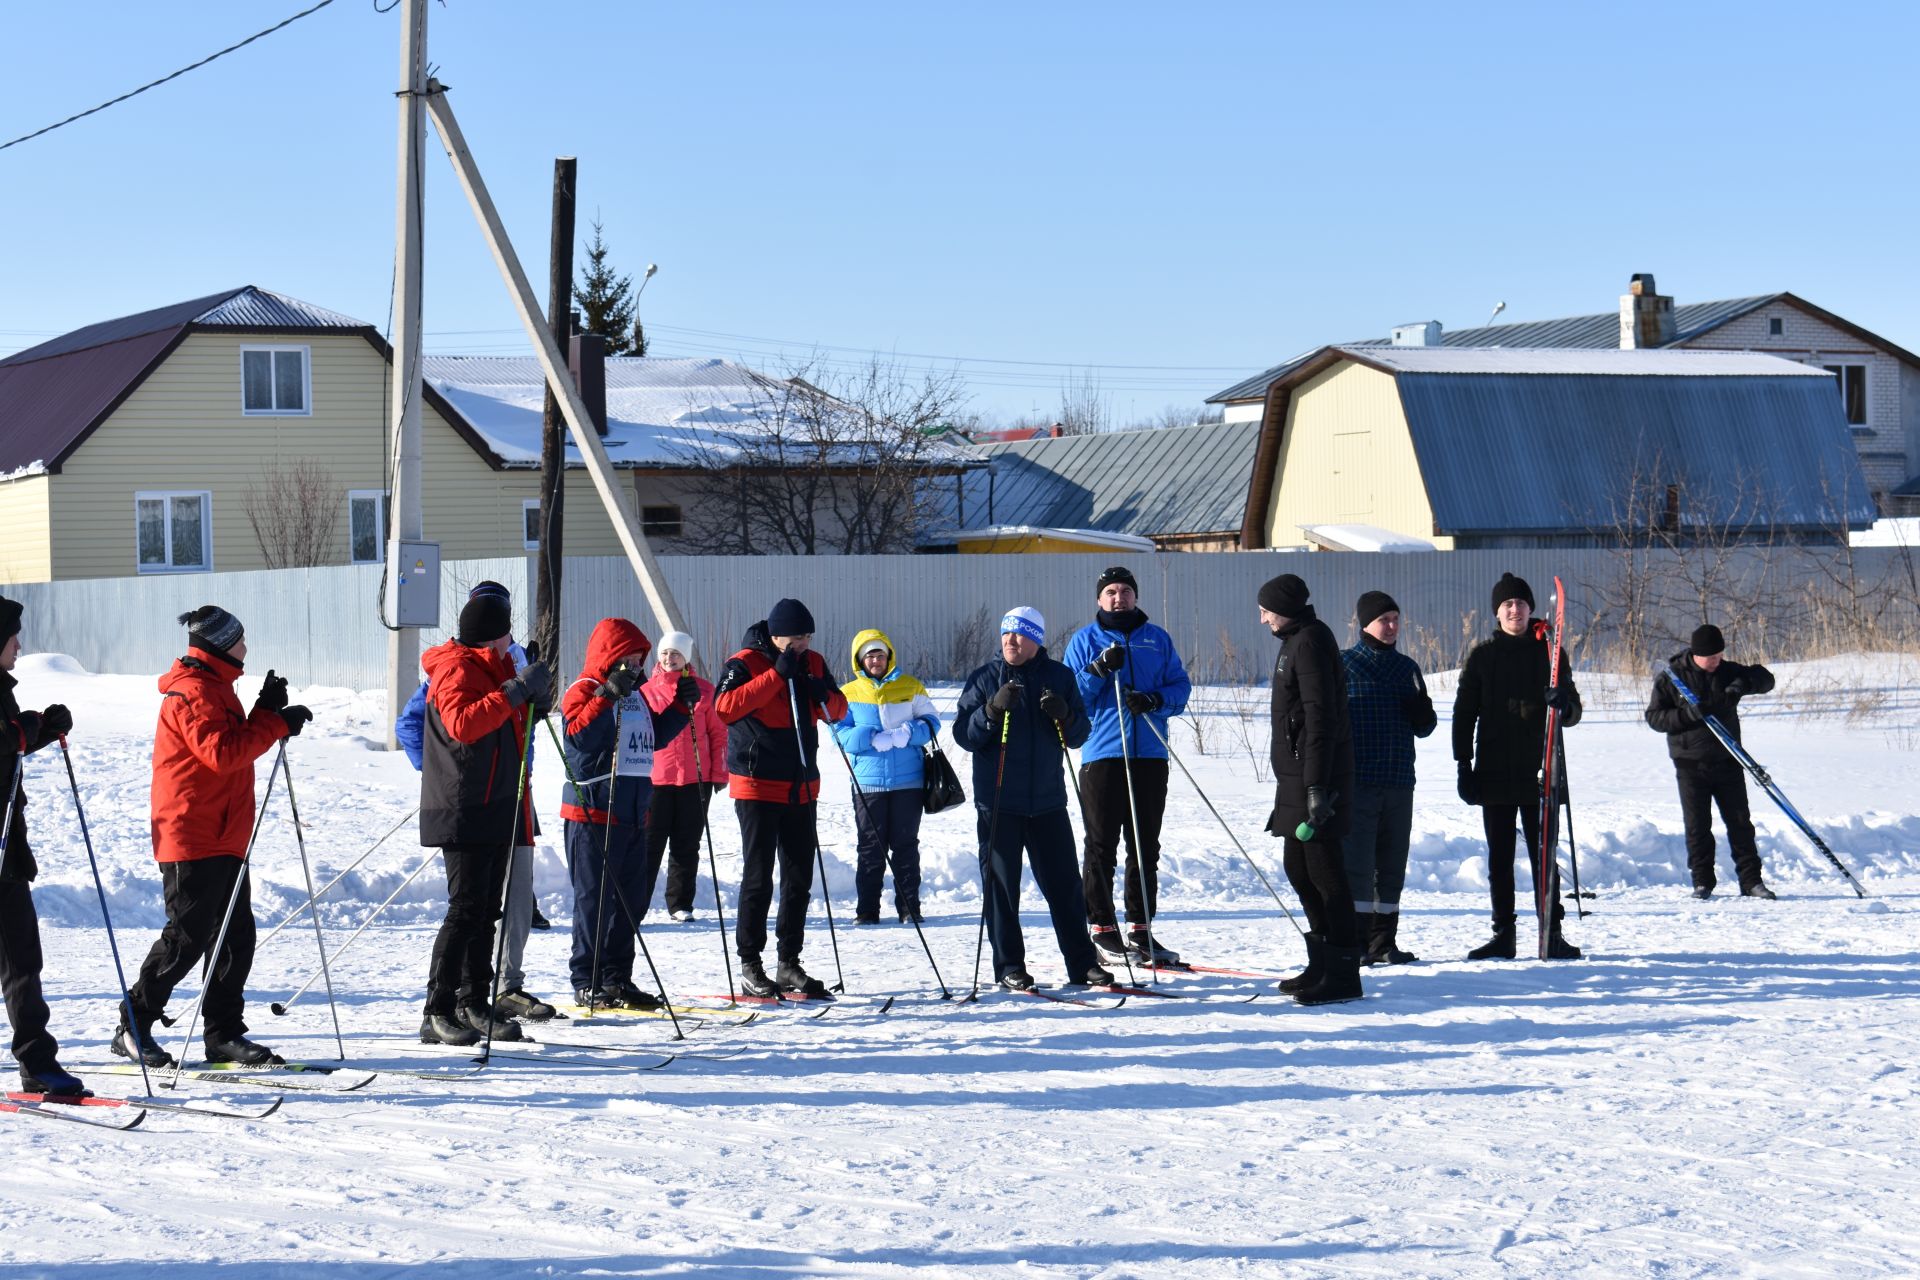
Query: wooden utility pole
x=406 y=522
x=553 y=425
x=626 y=525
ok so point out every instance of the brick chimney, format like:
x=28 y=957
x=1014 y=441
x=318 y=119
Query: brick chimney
x=1646 y=315
x=587 y=359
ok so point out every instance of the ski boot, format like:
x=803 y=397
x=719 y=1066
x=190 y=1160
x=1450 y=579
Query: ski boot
x=1015 y=980
x=1316 y=965
x=792 y=978
x=755 y=982
x=1107 y=944
x=240 y=1050
x=1703 y=891
x=138 y=1043
x=53 y=1080
x=1148 y=951
x=1758 y=889
x=518 y=1004
x=1098 y=976
x=681 y=917
x=622 y=994
x=440 y=1028
x=475 y=1017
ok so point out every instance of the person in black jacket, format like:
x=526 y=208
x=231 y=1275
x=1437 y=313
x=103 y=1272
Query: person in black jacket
x=1018 y=716
x=21 y=733
x=1502 y=700
x=1313 y=787
x=1707 y=772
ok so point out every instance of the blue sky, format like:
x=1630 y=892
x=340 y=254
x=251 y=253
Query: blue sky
x=1156 y=198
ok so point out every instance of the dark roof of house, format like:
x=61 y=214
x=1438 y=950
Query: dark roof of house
x=1166 y=481
x=1590 y=332
x=53 y=396
x=1745 y=436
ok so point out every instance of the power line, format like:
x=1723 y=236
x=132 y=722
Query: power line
x=28 y=137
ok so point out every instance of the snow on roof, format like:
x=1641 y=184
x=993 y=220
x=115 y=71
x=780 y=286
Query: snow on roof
x=1362 y=537
x=660 y=412
x=1894 y=531
x=1091 y=537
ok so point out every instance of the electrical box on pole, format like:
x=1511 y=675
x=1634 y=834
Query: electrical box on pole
x=413 y=585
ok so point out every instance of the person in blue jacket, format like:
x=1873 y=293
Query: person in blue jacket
x=1018 y=715
x=889 y=718
x=1123 y=766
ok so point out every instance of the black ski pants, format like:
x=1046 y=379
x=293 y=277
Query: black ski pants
x=1104 y=809
x=1375 y=848
x=675 y=817
x=461 y=969
x=1702 y=787
x=617 y=854
x=1047 y=839
x=887 y=821
x=1498 y=819
x=196 y=895
x=1317 y=870
x=772 y=832
x=20 y=963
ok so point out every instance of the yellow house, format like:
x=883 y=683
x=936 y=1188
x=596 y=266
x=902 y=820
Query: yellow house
x=232 y=432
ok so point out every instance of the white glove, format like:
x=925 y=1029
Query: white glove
x=890 y=739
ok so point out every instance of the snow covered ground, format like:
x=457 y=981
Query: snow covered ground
x=1720 y=1088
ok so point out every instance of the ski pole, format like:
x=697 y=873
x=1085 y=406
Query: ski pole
x=313 y=906
x=713 y=864
x=820 y=857
x=280 y=1007
x=606 y=863
x=1135 y=839
x=860 y=798
x=126 y=998
x=1126 y=958
x=506 y=887
x=1247 y=857
x=328 y=886
x=1573 y=846
x=233 y=899
x=986 y=862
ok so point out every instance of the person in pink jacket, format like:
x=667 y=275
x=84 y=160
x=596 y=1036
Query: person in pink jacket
x=680 y=790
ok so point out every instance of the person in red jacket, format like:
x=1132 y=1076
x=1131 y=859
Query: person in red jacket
x=204 y=751
x=686 y=773
x=479 y=713
x=774 y=777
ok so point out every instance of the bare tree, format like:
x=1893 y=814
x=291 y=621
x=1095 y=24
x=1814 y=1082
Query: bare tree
x=824 y=463
x=293 y=508
x=1083 y=408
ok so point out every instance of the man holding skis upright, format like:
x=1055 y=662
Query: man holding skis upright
x=1018 y=715
x=1128 y=671
x=1707 y=772
x=774 y=777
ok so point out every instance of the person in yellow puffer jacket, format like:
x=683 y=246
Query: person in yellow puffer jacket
x=889 y=718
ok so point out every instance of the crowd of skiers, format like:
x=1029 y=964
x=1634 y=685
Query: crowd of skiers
x=645 y=753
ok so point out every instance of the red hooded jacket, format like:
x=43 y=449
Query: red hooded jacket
x=592 y=794
x=203 y=753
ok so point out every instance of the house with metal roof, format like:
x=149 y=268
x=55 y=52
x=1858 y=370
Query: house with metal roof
x=1876 y=381
x=1180 y=488
x=1523 y=447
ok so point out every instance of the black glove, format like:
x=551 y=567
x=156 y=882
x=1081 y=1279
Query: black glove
x=1417 y=707
x=273 y=693
x=790 y=663
x=30 y=722
x=1109 y=660
x=296 y=717
x=1054 y=707
x=1735 y=688
x=620 y=682
x=686 y=692
x=1469 y=785
x=1692 y=712
x=1319 y=807
x=533 y=684
x=819 y=688
x=712 y=789
x=1560 y=697
x=1004 y=699
x=56 y=721
x=1141 y=703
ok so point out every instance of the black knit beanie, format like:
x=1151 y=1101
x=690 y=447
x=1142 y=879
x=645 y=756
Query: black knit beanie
x=1707 y=640
x=484 y=619
x=1285 y=595
x=213 y=628
x=1512 y=587
x=789 y=618
x=1119 y=573
x=1372 y=605
x=10 y=611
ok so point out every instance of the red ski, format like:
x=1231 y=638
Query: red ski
x=1546 y=880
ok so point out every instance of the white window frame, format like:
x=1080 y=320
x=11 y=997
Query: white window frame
x=165 y=497
x=1829 y=364
x=383 y=516
x=306 y=381
x=526 y=505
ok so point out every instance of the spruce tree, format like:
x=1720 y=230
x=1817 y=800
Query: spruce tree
x=606 y=301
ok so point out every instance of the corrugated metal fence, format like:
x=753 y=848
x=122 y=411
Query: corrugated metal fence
x=322 y=625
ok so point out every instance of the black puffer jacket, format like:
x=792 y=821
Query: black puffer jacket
x=20 y=734
x=1034 y=781
x=1689 y=741
x=1501 y=702
x=1312 y=736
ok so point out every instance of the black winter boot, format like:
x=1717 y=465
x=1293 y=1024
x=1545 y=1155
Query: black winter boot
x=1365 y=926
x=1384 y=946
x=1339 y=980
x=1316 y=965
x=241 y=1050
x=755 y=982
x=792 y=978
x=476 y=1017
x=1498 y=947
x=1558 y=948
x=440 y=1028
x=622 y=994
x=138 y=1042
x=53 y=1080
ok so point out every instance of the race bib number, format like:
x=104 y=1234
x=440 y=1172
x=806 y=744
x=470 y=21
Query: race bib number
x=634 y=756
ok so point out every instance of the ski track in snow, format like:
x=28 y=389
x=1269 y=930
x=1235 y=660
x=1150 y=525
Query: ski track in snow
x=1724 y=1088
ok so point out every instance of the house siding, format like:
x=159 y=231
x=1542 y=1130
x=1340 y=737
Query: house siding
x=25 y=554
x=1346 y=457
x=183 y=429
